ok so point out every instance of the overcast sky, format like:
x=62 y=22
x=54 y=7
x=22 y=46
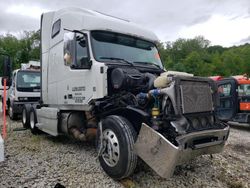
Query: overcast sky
x=223 y=22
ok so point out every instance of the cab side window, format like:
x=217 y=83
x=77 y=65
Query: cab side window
x=225 y=90
x=75 y=49
x=82 y=58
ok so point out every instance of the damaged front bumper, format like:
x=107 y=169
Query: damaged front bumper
x=163 y=156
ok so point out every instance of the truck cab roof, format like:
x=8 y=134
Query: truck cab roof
x=31 y=65
x=87 y=20
x=240 y=79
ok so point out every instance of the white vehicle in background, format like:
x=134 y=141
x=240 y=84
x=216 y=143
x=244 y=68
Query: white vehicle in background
x=24 y=89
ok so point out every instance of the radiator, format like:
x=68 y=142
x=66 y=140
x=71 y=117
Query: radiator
x=195 y=97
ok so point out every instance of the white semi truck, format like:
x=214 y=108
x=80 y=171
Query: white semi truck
x=105 y=74
x=24 y=88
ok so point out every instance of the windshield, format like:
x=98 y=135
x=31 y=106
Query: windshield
x=122 y=48
x=244 y=90
x=28 y=81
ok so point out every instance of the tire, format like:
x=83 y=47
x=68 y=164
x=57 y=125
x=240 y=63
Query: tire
x=12 y=115
x=117 y=158
x=33 y=121
x=26 y=116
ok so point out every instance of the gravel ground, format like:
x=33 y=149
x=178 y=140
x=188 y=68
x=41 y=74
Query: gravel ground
x=44 y=161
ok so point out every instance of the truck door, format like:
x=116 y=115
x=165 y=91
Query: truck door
x=227 y=99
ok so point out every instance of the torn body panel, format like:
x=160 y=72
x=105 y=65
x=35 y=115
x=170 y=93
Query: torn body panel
x=163 y=156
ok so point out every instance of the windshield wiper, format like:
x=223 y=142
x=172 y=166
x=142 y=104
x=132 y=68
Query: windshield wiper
x=118 y=59
x=147 y=63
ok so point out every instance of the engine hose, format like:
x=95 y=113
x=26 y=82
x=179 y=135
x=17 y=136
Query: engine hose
x=156 y=101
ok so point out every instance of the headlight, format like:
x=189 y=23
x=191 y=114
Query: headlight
x=22 y=98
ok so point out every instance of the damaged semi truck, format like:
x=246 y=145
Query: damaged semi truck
x=103 y=73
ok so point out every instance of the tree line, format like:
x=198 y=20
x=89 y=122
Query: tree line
x=22 y=49
x=195 y=55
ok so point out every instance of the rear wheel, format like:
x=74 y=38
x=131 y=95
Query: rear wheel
x=11 y=112
x=33 y=121
x=118 y=137
x=26 y=116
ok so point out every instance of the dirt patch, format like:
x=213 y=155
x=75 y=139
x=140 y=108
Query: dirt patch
x=44 y=161
x=243 y=148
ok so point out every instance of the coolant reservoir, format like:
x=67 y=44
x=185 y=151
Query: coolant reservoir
x=163 y=80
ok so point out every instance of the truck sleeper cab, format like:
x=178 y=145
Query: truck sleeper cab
x=103 y=77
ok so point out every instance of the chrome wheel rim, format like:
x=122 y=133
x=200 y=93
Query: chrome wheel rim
x=32 y=120
x=111 y=152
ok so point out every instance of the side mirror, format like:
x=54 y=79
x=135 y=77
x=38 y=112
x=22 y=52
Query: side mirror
x=86 y=63
x=8 y=81
x=89 y=64
x=69 y=48
x=7 y=67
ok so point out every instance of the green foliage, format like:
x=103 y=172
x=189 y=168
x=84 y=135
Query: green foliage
x=198 y=57
x=21 y=50
x=190 y=55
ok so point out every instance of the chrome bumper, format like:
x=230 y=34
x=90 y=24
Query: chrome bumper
x=162 y=156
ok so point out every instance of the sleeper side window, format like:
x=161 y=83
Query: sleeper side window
x=56 y=28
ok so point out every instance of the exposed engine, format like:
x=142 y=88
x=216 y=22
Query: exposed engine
x=176 y=103
x=128 y=79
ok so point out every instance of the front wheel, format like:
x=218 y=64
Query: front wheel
x=118 y=137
